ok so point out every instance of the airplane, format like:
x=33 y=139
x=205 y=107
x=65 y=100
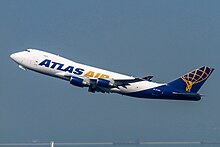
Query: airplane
x=100 y=80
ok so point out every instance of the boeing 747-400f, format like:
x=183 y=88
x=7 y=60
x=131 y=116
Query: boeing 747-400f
x=99 y=80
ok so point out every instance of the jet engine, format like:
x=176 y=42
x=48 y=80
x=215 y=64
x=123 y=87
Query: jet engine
x=105 y=83
x=80 y=82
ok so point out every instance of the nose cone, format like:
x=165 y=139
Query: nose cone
x=17 y=57
x=13 y=56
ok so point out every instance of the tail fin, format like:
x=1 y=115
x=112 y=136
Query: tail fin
x=193 y=80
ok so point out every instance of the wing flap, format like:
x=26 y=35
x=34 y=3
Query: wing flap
x=127 y=82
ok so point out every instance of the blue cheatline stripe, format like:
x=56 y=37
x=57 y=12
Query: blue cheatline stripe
x=163 y=92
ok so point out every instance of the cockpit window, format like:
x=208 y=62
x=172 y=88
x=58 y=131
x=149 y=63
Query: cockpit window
x=27 y=50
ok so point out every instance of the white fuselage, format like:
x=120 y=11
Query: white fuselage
x=57 y=66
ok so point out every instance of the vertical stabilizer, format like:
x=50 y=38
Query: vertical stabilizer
x=192 y=81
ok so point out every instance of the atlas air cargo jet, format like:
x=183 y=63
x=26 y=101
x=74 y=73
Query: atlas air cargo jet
x=99 y=80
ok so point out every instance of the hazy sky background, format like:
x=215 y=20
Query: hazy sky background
x=161 y=38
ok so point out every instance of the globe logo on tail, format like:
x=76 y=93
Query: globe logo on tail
x=196 y=77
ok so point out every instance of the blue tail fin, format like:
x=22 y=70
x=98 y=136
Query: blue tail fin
x=192 y=81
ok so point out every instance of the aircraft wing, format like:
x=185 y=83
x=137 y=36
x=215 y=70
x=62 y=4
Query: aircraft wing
x=126 y=82
x=101 y=84
x=104 y=85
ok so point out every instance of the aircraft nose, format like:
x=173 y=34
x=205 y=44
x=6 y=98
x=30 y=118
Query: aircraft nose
x=12 y=56
x=16 y=57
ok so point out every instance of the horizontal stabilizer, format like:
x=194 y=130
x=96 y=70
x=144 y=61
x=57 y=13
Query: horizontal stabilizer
x=148 y=78
x=187 y=94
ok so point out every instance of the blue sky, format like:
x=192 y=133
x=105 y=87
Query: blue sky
x=161 y=38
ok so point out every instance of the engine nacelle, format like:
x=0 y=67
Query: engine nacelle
x=80 y=82
x=105 y=83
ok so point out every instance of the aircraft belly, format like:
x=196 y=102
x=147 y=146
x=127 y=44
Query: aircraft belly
x=162 y=92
